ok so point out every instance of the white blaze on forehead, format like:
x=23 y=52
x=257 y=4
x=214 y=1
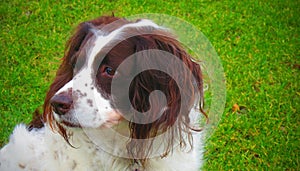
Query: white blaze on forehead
x=101 y=40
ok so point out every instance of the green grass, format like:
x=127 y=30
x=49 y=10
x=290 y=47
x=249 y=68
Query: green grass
x=257 y=41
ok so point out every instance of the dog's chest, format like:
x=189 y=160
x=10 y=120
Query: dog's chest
x=45 y=150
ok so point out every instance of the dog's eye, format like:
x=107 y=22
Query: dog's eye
x=107 y=71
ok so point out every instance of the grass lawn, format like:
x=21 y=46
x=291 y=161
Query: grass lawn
x=257 y=41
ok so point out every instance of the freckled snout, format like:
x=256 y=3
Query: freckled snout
x=61 y=103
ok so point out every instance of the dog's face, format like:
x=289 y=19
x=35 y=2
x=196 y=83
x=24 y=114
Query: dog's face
x=86 y=100
x=116 y=70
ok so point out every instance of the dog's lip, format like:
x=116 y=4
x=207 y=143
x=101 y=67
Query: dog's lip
x=69 y=124
x=114 y=118
x=64 y=122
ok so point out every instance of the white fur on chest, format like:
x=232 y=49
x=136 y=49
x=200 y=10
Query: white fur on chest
x=45 y=150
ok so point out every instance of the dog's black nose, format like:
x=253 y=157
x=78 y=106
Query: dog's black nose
x=61 y=103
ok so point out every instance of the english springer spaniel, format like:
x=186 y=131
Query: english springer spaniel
x=126 y=96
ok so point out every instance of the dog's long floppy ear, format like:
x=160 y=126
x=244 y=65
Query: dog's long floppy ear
x=181 y=97
x=65 y=71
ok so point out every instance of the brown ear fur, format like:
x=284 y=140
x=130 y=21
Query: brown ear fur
x=171 y=120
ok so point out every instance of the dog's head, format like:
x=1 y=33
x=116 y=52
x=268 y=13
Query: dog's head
x=115 y=70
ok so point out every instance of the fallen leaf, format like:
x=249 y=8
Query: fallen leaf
x=235 y=107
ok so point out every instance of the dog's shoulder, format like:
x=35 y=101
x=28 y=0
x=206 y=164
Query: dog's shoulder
x=24 y=147
x=38 y=149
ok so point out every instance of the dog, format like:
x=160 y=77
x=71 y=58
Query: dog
x=125 y=97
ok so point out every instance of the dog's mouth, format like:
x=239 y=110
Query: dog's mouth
x=65 y=122
x=69 y=124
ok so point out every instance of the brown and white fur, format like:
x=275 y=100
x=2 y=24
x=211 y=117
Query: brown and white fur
x=82 y=110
